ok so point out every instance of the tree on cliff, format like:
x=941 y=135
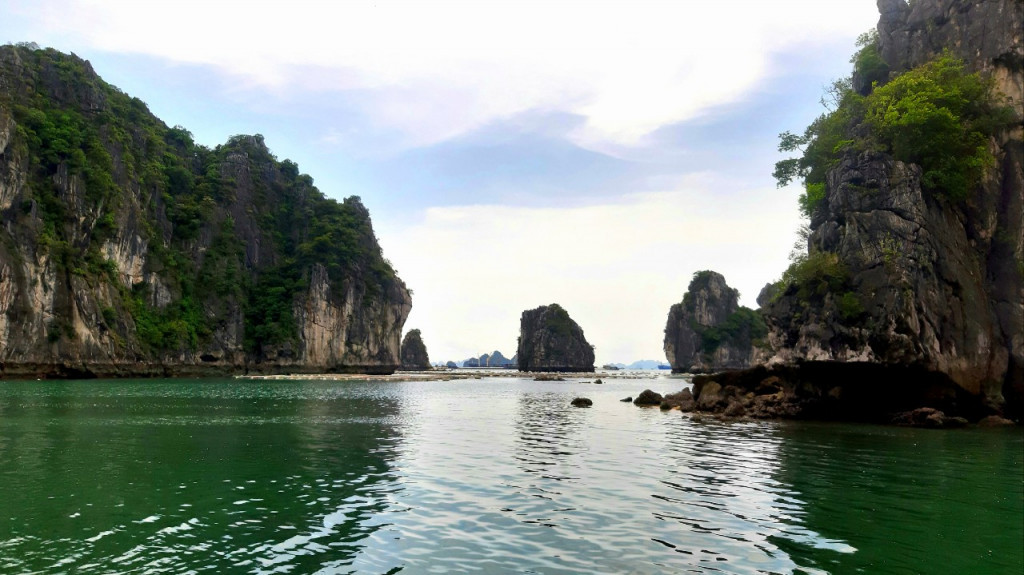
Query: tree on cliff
x=913 y=187
x=938 y=116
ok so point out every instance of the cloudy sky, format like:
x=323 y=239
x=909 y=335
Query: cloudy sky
x=512 y=154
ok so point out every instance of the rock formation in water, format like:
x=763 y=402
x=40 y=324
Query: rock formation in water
x=910 y=295
x=499 y=360
x=708 y=330
x=549 y=340
x=127 y=249
x=451 y=365
x=414 y=352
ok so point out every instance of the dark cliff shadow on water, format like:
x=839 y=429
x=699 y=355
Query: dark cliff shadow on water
x=227 y=476
x=905 y=498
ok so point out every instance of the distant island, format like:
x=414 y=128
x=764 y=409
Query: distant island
x=494 y=359
x=639 y=364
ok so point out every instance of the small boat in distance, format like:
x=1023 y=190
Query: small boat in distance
x=662 y=366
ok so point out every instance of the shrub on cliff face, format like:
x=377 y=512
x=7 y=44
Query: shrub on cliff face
x=557 y=321
x=821 y=146
x=743 y=328
x=815 y=275
x=937 y=116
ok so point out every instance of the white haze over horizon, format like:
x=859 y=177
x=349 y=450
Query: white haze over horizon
x=512 y=154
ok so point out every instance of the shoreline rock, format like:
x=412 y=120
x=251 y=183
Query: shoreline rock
x=837 y=391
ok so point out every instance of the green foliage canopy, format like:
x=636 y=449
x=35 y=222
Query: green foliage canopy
x=73 y=126
x=937 y=116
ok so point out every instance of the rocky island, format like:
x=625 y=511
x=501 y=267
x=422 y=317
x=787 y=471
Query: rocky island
x=126 y=249
x=911 y=292
x=549 y=340
x=414 y=352
x=709 y=331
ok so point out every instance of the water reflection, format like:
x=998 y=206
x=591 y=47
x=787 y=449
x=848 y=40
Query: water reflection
x=546 y=439
x=908 y=498
x=153 y=480
x=491 y=477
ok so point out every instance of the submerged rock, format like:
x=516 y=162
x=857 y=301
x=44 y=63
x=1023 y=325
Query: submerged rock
x=682 y=400
x=994 y=421
x=582 y=402
x=928 y=417
x=549 y=340
x=648 y=397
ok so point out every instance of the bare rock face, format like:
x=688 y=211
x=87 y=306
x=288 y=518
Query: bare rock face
x=414 y=352
x=549 y=340
x=708 y=330
x=936 y=287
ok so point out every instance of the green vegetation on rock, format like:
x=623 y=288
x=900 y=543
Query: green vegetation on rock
x=557 y=321
x=227 y=232
x=743 y=328
x=937 y=116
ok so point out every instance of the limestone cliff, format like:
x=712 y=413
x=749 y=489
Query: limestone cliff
x=708 y=330
x=414 y=352
x=127 y=249
x=549 y=340
x=926 y=284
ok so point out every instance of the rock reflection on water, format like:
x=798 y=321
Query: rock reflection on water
x=614 y=489
x=498 y=476
x=174 y=476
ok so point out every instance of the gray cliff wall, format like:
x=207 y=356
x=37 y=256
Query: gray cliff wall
x=940 y=284
x=61 y=317
x=707 y=332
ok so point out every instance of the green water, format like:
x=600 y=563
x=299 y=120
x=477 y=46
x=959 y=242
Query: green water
x=481 y=476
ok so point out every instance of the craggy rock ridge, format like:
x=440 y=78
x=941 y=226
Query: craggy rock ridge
x=933 y=314
x=128 y=250
x=414 y=352
x=549 y=340
x=709 y=331
x=498 y=360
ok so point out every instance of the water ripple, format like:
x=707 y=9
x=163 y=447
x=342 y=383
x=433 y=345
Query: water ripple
x=480 y=477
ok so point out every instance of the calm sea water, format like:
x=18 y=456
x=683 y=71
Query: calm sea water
x=481 y=476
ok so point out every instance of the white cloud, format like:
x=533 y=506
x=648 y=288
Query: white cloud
x=616 y=267
x=433 y=70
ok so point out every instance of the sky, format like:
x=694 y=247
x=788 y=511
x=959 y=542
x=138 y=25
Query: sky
x=512 y=154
